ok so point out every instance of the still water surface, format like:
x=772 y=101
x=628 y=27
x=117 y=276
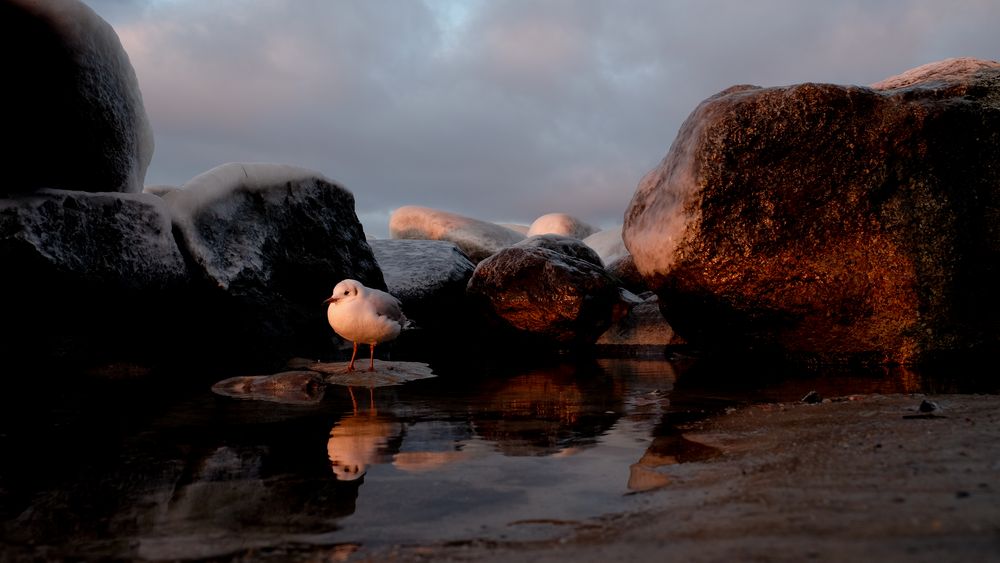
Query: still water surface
x=134 y=470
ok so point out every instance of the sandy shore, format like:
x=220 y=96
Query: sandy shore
x=864 y=478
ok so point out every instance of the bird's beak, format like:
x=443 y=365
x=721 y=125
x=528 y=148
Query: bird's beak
x=329 y=300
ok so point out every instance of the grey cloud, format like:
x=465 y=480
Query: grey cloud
x=502 y=110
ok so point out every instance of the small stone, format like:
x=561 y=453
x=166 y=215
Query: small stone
x=927 y=406
x=812 y=398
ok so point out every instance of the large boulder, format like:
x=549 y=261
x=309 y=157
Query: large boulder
x=429 y=278
x=73 y=113
x=544 y=295
x=271 y=241
x=477 y=239
x=87 y=277
x=832 y=222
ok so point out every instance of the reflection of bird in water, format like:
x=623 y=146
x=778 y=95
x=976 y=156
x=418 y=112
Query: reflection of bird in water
x=359 y=441
x=363 y=314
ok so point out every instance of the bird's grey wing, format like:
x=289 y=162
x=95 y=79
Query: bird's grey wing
x=389 y=306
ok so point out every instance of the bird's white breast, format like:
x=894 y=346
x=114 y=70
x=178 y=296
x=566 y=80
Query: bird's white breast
x=359 y=321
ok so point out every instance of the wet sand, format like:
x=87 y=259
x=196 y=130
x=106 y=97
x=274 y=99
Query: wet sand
x=861 y=478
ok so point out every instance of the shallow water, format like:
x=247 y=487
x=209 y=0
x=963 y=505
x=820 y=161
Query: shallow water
x=133 y=470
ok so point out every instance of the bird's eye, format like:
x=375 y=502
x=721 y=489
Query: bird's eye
x=347 y=292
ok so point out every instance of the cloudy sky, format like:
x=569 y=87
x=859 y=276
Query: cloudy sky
x=498 y=109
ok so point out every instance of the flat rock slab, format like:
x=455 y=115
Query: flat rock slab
x=290 y=387
x=306 y=383
x=384 y=375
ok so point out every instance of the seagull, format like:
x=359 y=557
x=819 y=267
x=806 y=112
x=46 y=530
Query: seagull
x=363 y=314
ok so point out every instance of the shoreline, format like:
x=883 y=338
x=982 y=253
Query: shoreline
x=864 y=476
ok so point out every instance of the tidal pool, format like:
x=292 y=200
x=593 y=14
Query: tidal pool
x=133 y=470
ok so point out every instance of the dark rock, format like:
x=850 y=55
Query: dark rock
x=927 y=406
x=624 y=269
x=73 y=113
x=477 y=239
x=832 y=223
x=567 y=246
x=270 y=242
x=88 y=277
x=642 y=325
x=290 y=387
x=544 y=295
x=812 y=398
x=429 y=278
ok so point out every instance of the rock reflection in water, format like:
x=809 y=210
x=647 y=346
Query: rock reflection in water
x=666 y=450
x=547 y=411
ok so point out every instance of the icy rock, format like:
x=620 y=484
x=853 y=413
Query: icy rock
x=564 y=245
x=477 y=239
x=544 y=295
x=560 y=224
x=608 y=244
x=428 y=277
x=92 y=275
x=159 y=190
x=523 y=229
x=832 y=223
x=73 y=114
x=271 y=241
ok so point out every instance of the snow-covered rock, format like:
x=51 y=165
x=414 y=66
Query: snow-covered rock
x=160 y=189
x=429 y=277
x=560 y=224
x=72 y=116
x=523 y=229
x=88 y=277
x=272 y=241
x=477 y=239
x=608 y=244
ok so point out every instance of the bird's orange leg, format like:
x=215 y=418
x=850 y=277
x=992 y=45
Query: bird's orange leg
x=350 y=366
x=371 y=364
x=353 y=400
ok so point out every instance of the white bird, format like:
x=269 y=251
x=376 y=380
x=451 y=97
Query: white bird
x=363 y=314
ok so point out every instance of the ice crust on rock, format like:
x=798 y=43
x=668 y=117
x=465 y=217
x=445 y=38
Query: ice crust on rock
x=608 y=244
x=477 y=239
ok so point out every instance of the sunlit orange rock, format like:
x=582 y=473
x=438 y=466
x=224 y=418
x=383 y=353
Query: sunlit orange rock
x=832 y=222
x=544 y=295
